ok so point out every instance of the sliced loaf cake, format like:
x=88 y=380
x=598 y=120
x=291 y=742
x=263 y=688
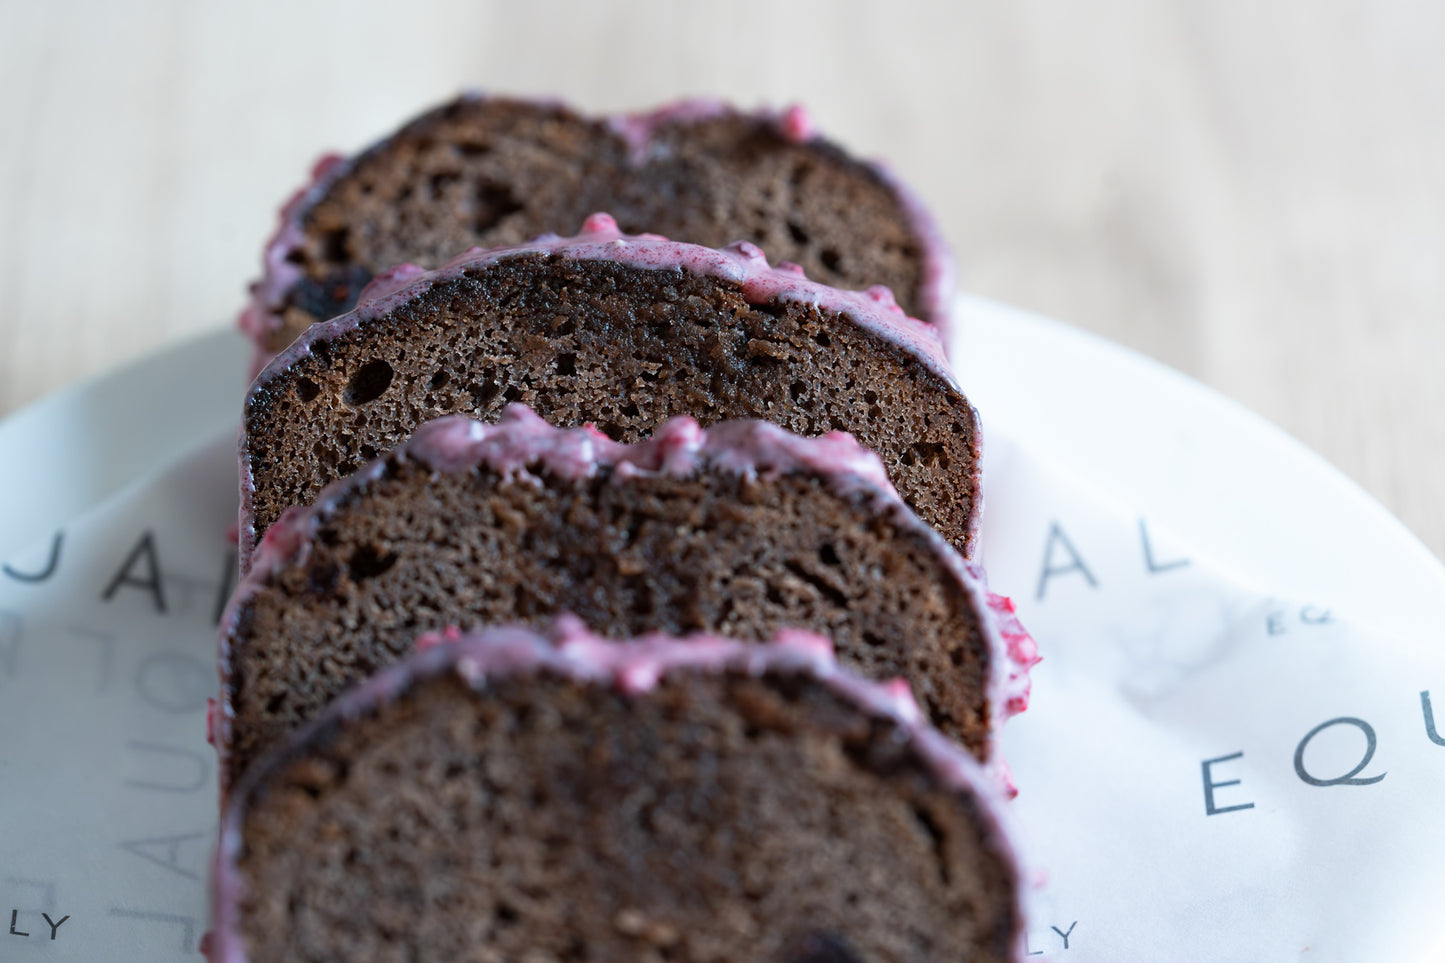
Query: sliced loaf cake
x=622 y=332
x=741 y=529
x=488 y=171
x=515 y=797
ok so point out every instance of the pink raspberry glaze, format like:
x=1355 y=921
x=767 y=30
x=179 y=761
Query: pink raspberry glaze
x=259 y=318
x=521 y=439
x=389 y=282
x=262 y=315
x=796 y=124
x=743 y=264
x=639 y=130
x=634 y=668
x=1022 y=649
x=522 y=444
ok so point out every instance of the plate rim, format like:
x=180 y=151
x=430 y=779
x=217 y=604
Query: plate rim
x=1376 y=572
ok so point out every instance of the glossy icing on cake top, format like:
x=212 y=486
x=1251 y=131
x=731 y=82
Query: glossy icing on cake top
x=522 y=443
x=680 y=446
x=635 y=668
x=261 y=318
x=639 y=130
x=741 y=264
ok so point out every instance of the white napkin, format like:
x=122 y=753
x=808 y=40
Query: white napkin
x=1162 y=678
x=1206 y=772
x=107 y=787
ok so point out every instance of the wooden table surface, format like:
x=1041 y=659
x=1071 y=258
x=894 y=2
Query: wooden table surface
x=1252 y=192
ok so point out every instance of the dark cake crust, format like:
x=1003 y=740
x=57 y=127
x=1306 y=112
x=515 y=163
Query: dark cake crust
x=741 y=530
x=489 y=171
x=512 y=794
x=619 y=331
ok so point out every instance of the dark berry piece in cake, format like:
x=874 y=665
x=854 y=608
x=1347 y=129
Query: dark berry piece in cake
x=519 y=797
x=739 y=530
x=618 y=331
x=486 y=171
x=816 y=947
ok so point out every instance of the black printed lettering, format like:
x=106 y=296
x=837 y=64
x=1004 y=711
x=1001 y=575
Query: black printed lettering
x=1153 y=565
x=1074 y=564
x=14 y=915
x=1210 y=807
x=54 y=924
x=46 y=571
x=144 y=555
x=164 y=851
x=1351 y=778
x=1064 y=934
x=1429 y=714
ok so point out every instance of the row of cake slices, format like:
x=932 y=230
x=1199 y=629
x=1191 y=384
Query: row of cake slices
x=397 y=790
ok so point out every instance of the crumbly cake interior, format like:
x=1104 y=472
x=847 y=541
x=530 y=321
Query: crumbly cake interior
x=625 y=348
x=411 y=553
x=718 y=818
x=491 y=173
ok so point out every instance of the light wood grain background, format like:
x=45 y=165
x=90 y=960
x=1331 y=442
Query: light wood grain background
x=1251 y=191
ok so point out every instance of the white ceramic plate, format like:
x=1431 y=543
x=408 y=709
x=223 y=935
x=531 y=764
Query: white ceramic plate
x=70 y=451
x=1225 y=481
x=104 y=675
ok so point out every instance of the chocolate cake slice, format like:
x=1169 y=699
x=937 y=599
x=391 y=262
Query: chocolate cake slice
x=622 y=332
x=515 y=797
x=739 y=530
x=486 y=171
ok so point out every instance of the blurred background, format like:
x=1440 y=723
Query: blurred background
x=1252 y=192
